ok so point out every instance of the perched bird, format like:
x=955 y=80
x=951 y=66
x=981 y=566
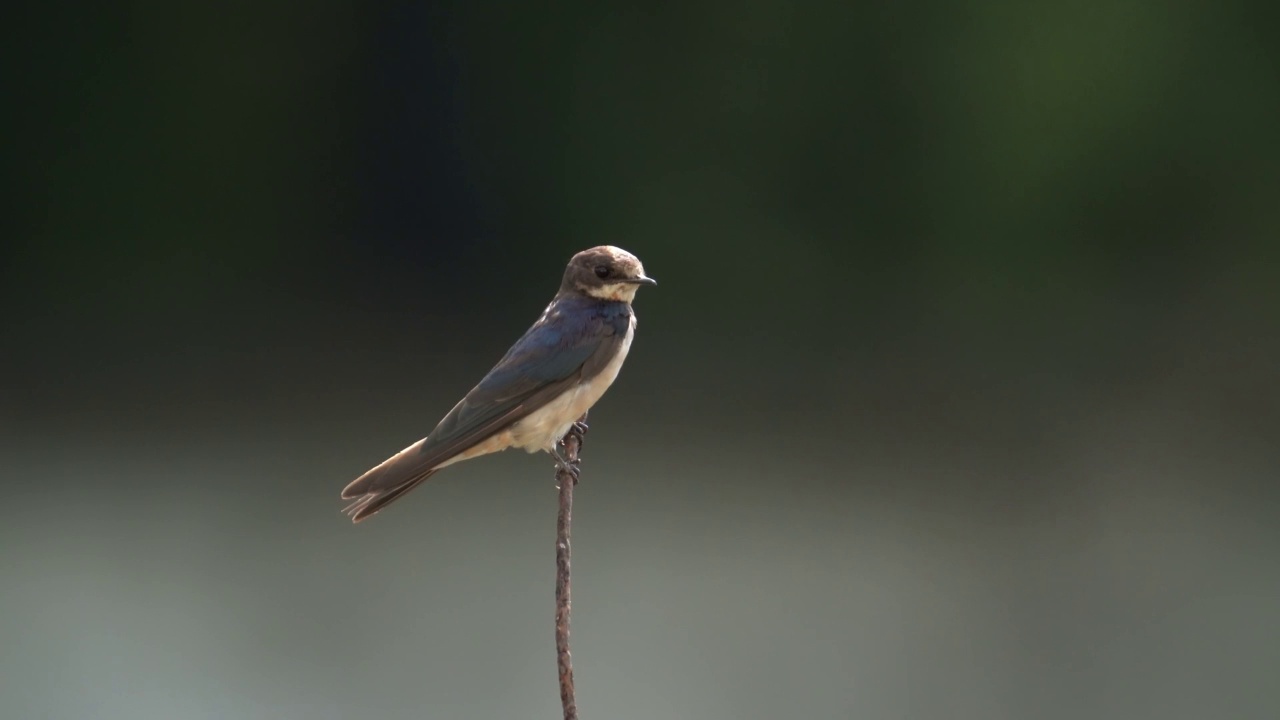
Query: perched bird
x=546 y=381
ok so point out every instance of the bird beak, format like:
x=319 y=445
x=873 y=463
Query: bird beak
x=642 y=280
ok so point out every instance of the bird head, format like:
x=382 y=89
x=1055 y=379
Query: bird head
x=605 y=272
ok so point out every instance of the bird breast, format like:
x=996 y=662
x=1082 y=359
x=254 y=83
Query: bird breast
x=543 y=428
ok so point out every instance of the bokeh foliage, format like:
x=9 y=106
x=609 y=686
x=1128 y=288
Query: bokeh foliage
x=993 y=159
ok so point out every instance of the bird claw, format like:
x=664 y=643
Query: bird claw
x=572 y=469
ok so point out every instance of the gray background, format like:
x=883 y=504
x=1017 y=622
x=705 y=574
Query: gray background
x=958 y=397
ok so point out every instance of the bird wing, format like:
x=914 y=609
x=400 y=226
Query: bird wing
x=552 y=356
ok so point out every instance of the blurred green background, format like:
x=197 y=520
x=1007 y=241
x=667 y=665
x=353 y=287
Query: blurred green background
x=958 y=396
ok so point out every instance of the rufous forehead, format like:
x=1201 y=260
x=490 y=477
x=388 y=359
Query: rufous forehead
x=609 y=252
x=620 y=254
x=622 y=257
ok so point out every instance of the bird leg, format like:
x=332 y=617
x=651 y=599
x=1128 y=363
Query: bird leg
x=579 y=428
x=562 y=463
x=576 y=431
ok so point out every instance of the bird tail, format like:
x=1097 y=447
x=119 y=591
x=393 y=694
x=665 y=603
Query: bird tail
x=387 y=482
x=370 y=503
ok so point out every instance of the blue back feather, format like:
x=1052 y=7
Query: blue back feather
x=552 y=353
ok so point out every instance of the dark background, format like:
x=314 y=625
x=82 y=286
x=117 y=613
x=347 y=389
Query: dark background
x=958 y=396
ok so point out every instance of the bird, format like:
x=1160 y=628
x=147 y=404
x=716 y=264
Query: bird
x=531 y=398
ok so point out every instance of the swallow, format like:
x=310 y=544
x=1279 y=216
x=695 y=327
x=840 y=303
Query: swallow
x=553 y=374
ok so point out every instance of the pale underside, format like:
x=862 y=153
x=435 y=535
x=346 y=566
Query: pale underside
x=622 y=292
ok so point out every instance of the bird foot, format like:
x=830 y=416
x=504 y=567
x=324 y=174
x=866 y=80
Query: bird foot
x=579 y=427
x=572 y=469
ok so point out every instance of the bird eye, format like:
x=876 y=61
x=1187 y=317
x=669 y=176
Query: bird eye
x=602 y=271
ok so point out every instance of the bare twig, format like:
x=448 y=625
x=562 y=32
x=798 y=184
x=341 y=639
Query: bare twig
x=566 y=480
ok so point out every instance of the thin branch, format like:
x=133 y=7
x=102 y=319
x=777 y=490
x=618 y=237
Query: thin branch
x=566 y=481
